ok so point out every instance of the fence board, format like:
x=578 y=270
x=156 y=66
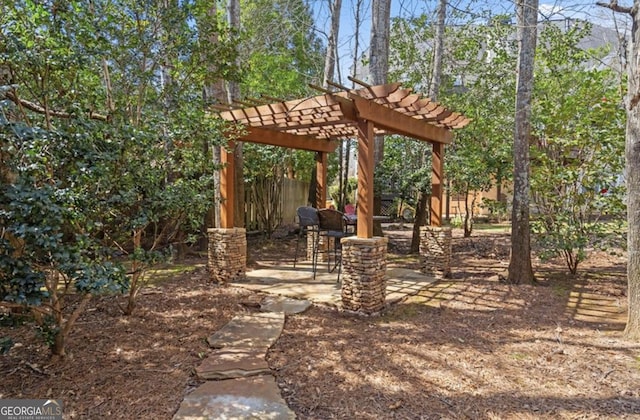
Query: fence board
x=294 y=193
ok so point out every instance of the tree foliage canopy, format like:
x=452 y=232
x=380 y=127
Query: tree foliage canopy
x=104 y=139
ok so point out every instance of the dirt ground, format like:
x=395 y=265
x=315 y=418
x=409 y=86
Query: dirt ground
x=466 y=347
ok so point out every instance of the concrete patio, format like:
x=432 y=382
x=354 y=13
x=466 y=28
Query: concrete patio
x=298 y=282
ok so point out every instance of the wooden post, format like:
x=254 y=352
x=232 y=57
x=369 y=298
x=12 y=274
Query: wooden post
x=227 y=186
x=321 y=180
x=437 y=178
x=365 y=179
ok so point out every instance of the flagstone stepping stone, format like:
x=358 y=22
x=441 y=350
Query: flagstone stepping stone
x=284 y=304
x=257 y=397
x=229 y=363
x=259 y=330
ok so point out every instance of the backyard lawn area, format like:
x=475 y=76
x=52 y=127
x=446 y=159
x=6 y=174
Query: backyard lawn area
x=469 y=346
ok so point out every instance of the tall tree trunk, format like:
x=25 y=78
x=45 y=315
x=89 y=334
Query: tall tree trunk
x=421 y=212
x=469 y=212
x=520 y=269
x=423 y=198
x=379 y=70
x=632 y=154
x=233 y=92
x=438 y=51
x=313 y=186
x=356 y=37
x=137 y=273
x=167 y=82
x=632 y=168
x=447 y=203
x=419 y=220
x=354 y=72
x=335 y=7
x=379 y=56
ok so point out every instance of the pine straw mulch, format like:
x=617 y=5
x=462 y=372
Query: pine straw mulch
x=465 y=347
x=125 y=367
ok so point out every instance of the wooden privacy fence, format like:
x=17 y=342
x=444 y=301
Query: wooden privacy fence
x=271 y=202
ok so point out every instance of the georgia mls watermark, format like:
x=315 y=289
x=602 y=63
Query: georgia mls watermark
x=30 y=410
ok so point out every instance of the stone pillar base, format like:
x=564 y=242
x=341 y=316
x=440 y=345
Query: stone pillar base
x=325 y=245
x=227 y=254
x=311 y=242
x=364 y=266
x=435 y=250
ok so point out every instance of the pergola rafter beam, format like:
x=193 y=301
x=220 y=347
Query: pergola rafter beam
x=395 y=97
x=441 y=118
x=408 y=101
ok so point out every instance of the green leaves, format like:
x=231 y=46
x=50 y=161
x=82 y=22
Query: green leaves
x=39 y=224
x=98 y=278
x=106 y=133
x=280 y=48
x=281 y=55
x=479 y=81
x=19 y=282
x=578 y=153
x=406 y=169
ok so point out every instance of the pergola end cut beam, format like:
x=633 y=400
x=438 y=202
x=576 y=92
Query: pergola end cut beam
x=399 y=123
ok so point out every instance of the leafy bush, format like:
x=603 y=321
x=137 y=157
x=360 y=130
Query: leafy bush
x=47 y=251
x=578 y=152
x=497 y=209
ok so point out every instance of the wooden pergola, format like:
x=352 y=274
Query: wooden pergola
x=319 y=124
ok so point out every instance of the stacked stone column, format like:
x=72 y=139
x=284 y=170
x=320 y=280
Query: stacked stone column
x=364 y=265
x=435 y=250
x=227 y=254
x=311 y=243
x=325 y=244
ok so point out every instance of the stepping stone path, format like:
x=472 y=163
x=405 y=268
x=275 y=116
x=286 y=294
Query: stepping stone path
x=239 y=384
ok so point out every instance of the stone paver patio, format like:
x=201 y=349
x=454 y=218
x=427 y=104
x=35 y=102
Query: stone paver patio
x=298 y=283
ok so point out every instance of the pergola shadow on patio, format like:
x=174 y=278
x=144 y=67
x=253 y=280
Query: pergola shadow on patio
x=318 y=124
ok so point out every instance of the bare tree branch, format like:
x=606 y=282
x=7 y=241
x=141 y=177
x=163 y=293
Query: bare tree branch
x=13 y=97
x=613 y=5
